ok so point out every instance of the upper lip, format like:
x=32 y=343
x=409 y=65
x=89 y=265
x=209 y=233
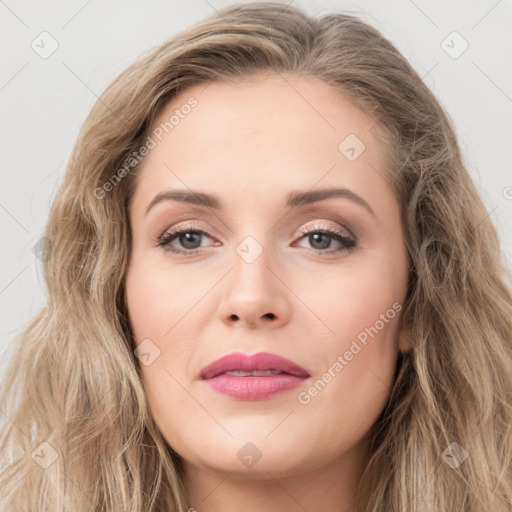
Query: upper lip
x=260 y=361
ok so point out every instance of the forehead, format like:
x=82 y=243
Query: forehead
x=283 y=106
x=265 y=135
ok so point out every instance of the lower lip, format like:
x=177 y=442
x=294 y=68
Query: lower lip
x=253 y=388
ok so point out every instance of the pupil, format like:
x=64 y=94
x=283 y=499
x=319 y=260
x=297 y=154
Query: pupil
x=186 y=237
x=315 y=237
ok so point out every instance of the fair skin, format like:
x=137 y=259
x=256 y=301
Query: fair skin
x=250 y=145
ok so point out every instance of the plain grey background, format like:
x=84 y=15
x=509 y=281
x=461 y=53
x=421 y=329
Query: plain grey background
x=58 y=56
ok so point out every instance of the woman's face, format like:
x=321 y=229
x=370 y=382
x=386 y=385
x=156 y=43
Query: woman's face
x=317 y=279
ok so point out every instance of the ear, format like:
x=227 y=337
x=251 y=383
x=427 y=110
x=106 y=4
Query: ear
x=405 y=342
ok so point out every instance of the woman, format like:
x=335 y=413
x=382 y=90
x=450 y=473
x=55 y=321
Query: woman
x=271 y=283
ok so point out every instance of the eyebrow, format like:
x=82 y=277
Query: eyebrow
x=295 y=199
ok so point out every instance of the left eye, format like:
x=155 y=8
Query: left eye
x=189 y=237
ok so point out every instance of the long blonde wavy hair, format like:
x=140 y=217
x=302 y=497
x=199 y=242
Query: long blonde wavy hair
x=73 y=381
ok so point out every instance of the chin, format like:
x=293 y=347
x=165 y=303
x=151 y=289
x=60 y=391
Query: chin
x=252 y=456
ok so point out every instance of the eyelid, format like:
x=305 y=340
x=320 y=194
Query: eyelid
x=190 y=225
x=338 y=229
x=338 y=233
x=194 y=225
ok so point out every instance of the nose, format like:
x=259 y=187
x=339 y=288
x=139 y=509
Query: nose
x=255 y=295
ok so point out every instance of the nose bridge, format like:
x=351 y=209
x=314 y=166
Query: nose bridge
x=253 y=293
x=251 y=262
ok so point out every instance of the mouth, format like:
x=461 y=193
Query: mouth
x=255 y=373
x=253 y=377
x=256 y=365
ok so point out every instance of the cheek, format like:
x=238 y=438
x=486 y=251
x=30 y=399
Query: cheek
x=353 y=380
x=155 y=306
x=352 y=298
x=356 y=359
x=155 y=299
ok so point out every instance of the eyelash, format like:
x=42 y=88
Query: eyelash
x=349 y=244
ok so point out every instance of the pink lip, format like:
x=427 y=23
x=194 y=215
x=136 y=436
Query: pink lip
x=252 y=387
